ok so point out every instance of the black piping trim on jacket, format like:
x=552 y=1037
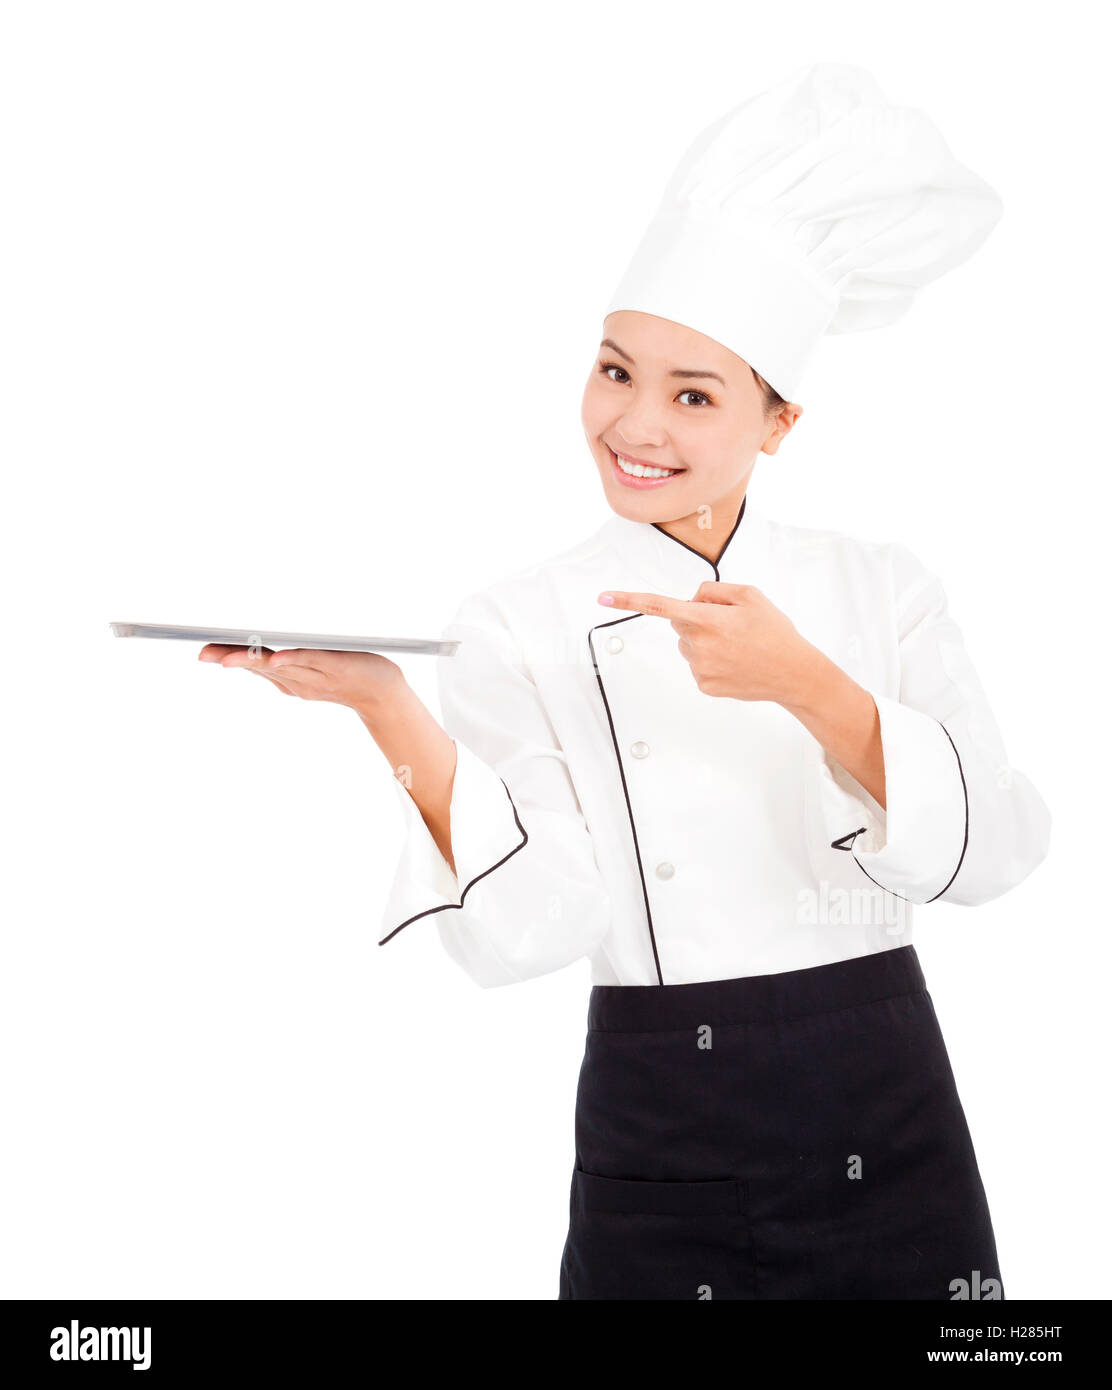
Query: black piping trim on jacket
x=445 y=906
x=625 y=789
x=965 y=793
x=712 y=563
x=840 y=843
x=610 y=718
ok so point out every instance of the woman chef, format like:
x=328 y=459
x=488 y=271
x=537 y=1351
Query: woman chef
x=722 y=757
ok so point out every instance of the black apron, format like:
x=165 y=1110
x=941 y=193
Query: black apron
x=788 y=1136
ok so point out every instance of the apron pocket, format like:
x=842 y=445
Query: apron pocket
x=634 y=1239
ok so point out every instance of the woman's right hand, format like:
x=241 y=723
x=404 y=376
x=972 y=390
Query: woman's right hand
x=360 y=680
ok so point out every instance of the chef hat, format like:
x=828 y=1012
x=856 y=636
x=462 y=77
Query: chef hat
x=815 y=207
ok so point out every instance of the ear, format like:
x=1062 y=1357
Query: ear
x=785 y=419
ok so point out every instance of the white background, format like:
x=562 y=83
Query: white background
x=298 y=304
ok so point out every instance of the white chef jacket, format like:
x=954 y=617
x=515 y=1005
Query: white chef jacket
x=603 y=806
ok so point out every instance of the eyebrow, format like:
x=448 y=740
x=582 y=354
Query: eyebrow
x=610 y=343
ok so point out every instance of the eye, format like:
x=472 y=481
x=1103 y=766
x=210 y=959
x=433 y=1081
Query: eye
x=606 y=368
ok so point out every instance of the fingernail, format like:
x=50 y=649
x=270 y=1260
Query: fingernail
x=608 y=599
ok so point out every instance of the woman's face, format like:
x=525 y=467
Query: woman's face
x=662 y=395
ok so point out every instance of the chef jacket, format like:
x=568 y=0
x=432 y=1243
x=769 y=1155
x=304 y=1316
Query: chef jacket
x=603 y=806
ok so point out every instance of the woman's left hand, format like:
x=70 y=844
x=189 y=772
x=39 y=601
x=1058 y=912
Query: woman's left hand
x=736 y=641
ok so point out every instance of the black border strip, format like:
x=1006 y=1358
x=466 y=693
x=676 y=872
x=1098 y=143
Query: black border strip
x=444 y=906
x=840 y=843
x=625 y=789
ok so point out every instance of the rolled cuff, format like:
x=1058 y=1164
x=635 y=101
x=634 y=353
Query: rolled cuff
x=485 y=831
x=915 y=846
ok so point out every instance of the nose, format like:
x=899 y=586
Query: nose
x=637 y=430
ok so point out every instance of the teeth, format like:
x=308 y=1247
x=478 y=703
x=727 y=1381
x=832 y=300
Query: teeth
x=638 y=470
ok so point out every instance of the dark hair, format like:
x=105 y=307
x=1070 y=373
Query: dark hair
x=773 y=401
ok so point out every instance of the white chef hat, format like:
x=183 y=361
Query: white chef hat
x=815 y=207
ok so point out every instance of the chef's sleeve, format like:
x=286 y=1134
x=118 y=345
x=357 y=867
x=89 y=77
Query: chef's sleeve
x=526 y=896
x=960 y=823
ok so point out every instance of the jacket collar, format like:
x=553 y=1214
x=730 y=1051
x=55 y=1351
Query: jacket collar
x=671 y=567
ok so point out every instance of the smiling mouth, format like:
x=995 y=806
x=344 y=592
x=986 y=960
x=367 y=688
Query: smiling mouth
x=640 y=472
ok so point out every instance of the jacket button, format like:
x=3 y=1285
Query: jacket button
x=639 y=750
x=665 y=870
x=614 y=644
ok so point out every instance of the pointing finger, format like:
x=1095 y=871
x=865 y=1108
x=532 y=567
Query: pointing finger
x=716 y=592
x=655 y=605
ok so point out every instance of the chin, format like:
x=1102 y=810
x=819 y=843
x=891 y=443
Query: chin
x=646 y=508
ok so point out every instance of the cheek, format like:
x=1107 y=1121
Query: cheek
x=709 y=469
x=715 y=455
x=591 y=407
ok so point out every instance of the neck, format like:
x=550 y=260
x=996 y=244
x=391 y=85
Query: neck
x=708 y=530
